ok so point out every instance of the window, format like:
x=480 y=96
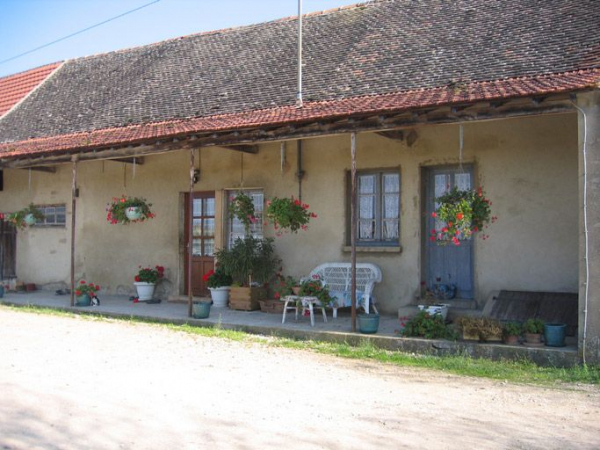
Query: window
x=55 y=215
x=378 y=208
x=235 y=228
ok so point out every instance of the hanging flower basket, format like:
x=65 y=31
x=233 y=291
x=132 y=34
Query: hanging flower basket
x=462 y=213
x=26 y=217
x=288 y=214
x=241 y=207
x=126 y=210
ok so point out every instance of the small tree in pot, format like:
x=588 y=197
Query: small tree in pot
x=533 y=329
x=251 y=262
x=511 y=333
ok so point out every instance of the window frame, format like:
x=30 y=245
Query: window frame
x=55 y=224
x=257 y=229
x=378 y=242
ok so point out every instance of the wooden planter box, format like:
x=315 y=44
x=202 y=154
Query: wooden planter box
x=470 y=336
x=271 y=306
x=245 y=298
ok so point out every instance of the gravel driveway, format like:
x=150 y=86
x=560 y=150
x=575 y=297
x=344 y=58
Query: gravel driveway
x=74 y=383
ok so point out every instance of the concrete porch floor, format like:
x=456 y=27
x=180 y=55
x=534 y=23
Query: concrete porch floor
x=176 y=312
x=335 y=330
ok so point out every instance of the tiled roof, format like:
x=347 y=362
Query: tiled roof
x=14 y=88
x=472 y=92
x=386 y=54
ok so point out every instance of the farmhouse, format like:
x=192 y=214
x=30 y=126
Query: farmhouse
x=499 y=95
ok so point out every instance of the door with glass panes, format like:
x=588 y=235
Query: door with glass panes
x=447 y=264
x=202 y=217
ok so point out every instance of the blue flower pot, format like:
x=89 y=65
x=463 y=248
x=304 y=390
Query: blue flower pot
x=83 y=300
x=554 y=334
x=201 y=310
x=368 y=323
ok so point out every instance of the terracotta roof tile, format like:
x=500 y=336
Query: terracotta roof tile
x=14 y=88
x=373 y=104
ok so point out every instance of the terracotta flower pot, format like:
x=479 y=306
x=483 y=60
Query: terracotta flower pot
x=533 y=339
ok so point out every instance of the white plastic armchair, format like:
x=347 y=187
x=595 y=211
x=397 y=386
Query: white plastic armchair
x=338 y=279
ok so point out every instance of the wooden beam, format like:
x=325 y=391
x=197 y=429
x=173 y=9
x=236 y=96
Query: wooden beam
x=190 y=246
x=253 y=149
x=396 y=135
x=73 y=223
x=353 y=223
x=481 y=111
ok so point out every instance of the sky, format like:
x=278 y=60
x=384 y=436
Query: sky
x=28 y=24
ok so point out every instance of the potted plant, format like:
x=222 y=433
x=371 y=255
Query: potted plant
x=288 y=214
x=469 y=327
x=533 y=329
x=481 y=329
x=463 y=213
x=511 y=333
x=241 y=206
x=428 y=326
x=85 y=292
x=491 y=330
x=146 y=280
x=282 y=287
x=219 y=284
x=26 y=216
x=314 y=287
x=251 y=262
x=127 y=210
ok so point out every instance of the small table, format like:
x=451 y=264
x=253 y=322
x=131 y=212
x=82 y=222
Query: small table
x=306 y=302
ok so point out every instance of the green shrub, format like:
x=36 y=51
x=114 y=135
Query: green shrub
x=512 y=329
x=428 y=326
x=533 y=326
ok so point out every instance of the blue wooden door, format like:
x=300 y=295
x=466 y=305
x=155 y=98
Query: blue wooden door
x=447 y=264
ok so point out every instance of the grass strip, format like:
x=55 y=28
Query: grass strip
x=524 y=372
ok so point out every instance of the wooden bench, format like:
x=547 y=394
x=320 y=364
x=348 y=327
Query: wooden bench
x=338 y=279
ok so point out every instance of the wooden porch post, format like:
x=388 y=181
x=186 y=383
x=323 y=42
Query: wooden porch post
x=73 y=222
x=353 y=228
x=190 y=236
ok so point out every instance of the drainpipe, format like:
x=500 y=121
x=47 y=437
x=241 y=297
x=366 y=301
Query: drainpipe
x=299 y=96
x=300 y=173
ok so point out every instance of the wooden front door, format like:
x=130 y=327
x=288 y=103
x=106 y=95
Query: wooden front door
x=8 y=250
x=202 y=217
x=447 y=264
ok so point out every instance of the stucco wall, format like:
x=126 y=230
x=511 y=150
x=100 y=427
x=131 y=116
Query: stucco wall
x=528 y=168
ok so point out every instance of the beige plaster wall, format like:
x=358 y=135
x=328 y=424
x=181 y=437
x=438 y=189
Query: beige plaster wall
x=527 y=166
